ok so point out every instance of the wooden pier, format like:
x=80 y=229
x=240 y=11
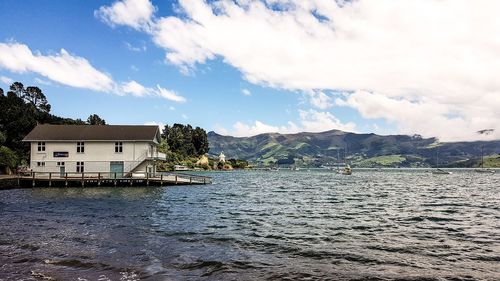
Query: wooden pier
x=47 y=179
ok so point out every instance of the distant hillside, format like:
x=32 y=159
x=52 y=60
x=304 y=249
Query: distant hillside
x=363 y=150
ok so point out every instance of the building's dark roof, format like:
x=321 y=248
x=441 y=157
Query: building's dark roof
x=93 y=133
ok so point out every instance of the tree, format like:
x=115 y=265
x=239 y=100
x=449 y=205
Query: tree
x=94 y=119
x=200 y=141
x=8 y=159
x=36 y=97
x=18 y=89
x=185 y=140
x=3 y=138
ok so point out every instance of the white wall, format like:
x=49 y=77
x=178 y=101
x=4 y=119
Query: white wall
x=97 y=155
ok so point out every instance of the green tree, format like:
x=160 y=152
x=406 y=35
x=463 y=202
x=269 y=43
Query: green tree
x=36 y=97
x=18 y=89
x=3 y=138
x=17 y=120
x=200 y=141
x=183 y=144
x=8 y=159
x=94 y=119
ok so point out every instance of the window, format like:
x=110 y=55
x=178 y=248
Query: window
x=79 y=167
x=40 y=164
x=118 y=147
x=41 y=146
x=60 y=164
x=80 y=147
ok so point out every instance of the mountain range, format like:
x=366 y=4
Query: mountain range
x=360 y=150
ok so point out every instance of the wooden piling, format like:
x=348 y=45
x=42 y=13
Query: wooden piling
x=50 y=179
x=98 y=179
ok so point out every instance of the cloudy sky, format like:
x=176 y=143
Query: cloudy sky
x=243 y=67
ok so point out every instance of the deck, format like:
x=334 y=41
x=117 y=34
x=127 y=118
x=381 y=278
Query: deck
x=87 y=179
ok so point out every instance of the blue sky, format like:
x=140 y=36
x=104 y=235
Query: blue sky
x=247 y=68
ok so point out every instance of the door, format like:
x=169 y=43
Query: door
x=116 y=167
x=62 y=171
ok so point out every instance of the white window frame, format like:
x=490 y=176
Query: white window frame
x=41 y=146
x=80 y=147
x=119 y=147
x=80 y=167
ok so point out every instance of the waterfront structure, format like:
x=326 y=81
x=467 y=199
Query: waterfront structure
x=222 y=157
x=116 y=149
x=181 y=168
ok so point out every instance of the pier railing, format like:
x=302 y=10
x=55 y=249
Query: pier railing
x=114 y=177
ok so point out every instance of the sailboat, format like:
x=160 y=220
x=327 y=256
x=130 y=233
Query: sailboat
x=347 y=169
x=482 y=169
x=439 y=171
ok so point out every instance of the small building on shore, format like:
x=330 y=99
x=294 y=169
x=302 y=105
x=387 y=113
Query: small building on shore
x=117 y=149
x=222 y=157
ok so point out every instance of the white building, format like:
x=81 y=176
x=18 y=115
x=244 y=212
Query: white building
x=222 y=157
x=94 y=148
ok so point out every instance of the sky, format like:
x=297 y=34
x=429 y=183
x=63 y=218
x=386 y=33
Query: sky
x=244 y=67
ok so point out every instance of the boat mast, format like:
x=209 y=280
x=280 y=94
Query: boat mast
x=345 y=155
x=482 y=156
x=437 y=157
x=338 y=159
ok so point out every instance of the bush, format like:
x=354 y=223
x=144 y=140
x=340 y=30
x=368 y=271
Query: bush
x=8 y=159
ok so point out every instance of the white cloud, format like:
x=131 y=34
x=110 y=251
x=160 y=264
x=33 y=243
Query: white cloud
x=73 y=71
x=132 y=48
x=310 y=121
x=242 y=130
x=134 y=13
x=161 y=125
x=6 y=80
x=134 y=68
x=428 y=117
x=221 y=130
x=171 y=108
x=320 y=100
x=434 y=54
x=170 y=95
x=62 y=67
x=246 y=92
x=318 y=121
x=184 y=116
x=42 y=81
x=138 y=90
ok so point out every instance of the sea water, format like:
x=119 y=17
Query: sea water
x=259 y=225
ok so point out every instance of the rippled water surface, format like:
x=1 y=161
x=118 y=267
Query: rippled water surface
x=404 y=225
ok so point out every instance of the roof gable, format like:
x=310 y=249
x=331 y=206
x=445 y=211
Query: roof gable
x=48 y=132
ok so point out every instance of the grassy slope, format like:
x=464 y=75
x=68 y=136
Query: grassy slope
x=368 y=150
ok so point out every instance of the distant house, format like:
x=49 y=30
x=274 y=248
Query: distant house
x=181 y=168
x=88 y=148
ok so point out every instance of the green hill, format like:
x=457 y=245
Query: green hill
x=362 y=150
